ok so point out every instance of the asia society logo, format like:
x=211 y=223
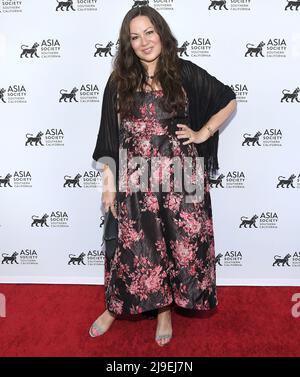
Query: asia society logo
x=275 y=47
x=50 y=137
x=235 y=5
x=265 y=220
x=233 y=179
x=241 y=92
x=87 y=93
x=11 y=6
x=18 y=179
x=271 y=137
x=25 y=256
x=292 y=181
x=198 y=47
x=73 y=5
x=290 y=96
x=292 y=5
x=57 y=219
x=104 y=51
x=48 y=48
x=231 y=258
x=13 y=94
x=88 y=179
x=90 y=258
x=290 y=259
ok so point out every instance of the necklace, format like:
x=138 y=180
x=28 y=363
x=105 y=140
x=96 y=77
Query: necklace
x=149 y=77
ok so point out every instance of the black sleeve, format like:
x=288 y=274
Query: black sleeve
x=107 y=144
x=207 y=96
x=215 y=94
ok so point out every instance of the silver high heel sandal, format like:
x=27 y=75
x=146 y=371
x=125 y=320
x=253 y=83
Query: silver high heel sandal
x=158 y=338
x=96 y=330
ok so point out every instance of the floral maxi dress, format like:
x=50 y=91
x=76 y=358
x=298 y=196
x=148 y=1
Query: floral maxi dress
x=165 y=253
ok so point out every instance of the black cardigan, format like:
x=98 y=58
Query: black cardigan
x=206 y=96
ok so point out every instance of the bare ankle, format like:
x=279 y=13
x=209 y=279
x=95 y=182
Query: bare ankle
x=164 y=310
x=112 y=315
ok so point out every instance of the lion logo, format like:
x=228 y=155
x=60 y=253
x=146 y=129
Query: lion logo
x=32 y=51
x=5 y=180
x=70 y=181
x=2 y=91
x=42 y=221
x=288 y=182
x=11 y=259
x=182 y=50
x=37 y=139
x=291 y=4
x=254 y=50
x=249 y=222
x=78 y=260
x=214 y=4
x=71 y=96
x=282 y=261
x=65 y=5
x=216 y=181
x=218 y=259
x=103 y=50
x=140 y=4
x=251 y=139
x=290 y=96
x=102 y=219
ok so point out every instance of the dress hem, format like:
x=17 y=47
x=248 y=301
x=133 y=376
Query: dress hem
x=173 y=305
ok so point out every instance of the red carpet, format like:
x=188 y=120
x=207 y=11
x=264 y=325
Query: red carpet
x=53 y=320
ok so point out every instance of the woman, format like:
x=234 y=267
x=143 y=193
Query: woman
x=158 y=105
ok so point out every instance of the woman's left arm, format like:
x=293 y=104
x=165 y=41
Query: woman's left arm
x=215 y=122
x=209 y=128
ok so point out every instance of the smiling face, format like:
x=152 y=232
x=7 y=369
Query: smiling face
x=145 y=41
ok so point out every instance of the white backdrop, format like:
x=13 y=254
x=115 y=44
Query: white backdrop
x=48 y=218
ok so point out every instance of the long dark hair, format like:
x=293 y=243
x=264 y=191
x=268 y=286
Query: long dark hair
x=129 y=73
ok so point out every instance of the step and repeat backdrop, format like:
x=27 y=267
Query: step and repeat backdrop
x=55 y=58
